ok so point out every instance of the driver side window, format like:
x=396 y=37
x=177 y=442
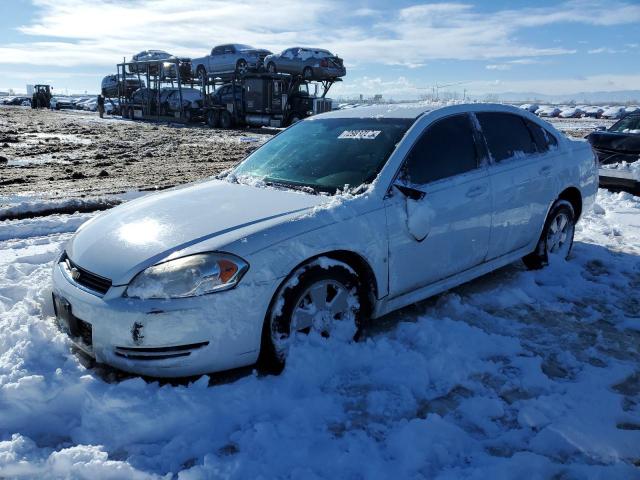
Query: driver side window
x=445 y=149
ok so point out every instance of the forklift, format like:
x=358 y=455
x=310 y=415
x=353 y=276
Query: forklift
x=41 y=96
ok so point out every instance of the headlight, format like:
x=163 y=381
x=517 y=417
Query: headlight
x=188 y=276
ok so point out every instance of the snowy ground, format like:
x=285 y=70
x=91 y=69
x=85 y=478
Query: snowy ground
x=517 y=374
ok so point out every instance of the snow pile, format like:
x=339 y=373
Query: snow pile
x=517 y=374
x=31 y=206
x=633 y=168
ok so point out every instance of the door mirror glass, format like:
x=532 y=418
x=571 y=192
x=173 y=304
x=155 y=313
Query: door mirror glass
x=409 y=192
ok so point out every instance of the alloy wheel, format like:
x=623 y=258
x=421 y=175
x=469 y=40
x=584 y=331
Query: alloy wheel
x=320 y=305
x=559 y=236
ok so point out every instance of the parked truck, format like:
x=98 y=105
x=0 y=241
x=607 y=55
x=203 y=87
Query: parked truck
x=263 y=99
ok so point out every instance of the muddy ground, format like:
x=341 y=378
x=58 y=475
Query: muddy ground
x=73 y=153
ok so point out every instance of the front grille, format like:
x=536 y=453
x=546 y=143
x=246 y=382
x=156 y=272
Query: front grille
x=158 y=353
x=321 y=105
x=86 y=278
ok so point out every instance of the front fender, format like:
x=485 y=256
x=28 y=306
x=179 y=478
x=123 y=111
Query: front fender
x=364 y=235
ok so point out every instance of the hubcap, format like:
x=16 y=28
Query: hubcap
x=327 y=307
x=320 y=305
x=559 y=236
x=242 y=67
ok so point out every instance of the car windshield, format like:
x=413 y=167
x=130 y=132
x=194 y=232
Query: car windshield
x=629 y=124
x=326 y=154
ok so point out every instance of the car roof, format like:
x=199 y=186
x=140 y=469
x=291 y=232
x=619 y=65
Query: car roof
x=416 y=110
x=379 y=111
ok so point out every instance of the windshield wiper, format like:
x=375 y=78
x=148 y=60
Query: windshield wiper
x=306 y=188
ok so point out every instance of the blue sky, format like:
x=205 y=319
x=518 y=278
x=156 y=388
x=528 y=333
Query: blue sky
x=399 y=48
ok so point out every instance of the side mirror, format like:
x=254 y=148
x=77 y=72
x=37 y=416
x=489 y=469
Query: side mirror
x=409 y=192
x=600 y=128
x=419 y=214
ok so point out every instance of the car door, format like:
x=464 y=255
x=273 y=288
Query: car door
x=439 y=210
x=522 y=180
x=216 y=62
x=285 y=61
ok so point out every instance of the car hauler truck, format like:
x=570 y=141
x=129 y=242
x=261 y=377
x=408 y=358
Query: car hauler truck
x=250 y=99
x=158 y=80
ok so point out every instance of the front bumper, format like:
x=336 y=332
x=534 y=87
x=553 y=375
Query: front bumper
x=169 y=338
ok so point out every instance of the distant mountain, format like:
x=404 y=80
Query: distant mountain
x=620 y=96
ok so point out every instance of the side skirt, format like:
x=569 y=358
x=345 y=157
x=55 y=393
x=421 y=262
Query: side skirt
x=388 y=305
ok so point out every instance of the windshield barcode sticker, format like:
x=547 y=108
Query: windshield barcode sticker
x=360 y=134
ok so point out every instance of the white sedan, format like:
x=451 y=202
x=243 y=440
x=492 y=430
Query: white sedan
x=336 y=221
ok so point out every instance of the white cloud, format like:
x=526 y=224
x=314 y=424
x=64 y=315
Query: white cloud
x=602 y=50
x=562 y=85
x=101 y=32
x=404 y=88
x=499 y=66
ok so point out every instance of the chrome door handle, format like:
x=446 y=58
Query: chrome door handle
x=546 y=170
x=476 y=191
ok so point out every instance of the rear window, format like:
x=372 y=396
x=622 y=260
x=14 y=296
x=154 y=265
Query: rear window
x=506 y=134
x=543 y=139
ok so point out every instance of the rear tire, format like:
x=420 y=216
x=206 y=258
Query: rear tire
x=201 y=73
x=213 y=119
x=225 y=119
x=242 y=67
x=556 y=239
x=318 y=299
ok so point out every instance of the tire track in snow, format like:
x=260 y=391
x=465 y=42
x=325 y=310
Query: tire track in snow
x=41 y=227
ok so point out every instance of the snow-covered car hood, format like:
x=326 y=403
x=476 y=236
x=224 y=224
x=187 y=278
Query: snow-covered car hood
x=125 y=240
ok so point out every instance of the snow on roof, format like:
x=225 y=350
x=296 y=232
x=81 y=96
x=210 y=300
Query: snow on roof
x=383 y=111
x=414 y=110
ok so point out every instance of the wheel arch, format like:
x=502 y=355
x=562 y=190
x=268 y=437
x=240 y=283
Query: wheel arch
x=574 y=197
x=354 y=260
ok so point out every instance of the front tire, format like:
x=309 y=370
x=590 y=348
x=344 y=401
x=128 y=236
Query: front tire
x=294 y=119
x=556 y=240
x=327 y=298
x=225 y=119
x=201 y=73
x=213 y=119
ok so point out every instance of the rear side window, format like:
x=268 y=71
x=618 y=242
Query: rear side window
x=446 y=149
x=506 y=134
x=543 y=139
